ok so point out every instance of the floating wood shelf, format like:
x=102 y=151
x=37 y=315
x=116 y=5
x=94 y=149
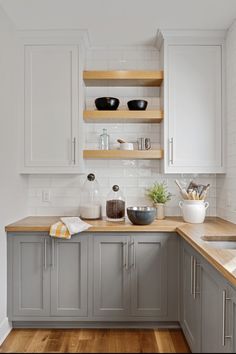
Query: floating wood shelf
x=96 y=116
x=123 y=78
x=124 y=154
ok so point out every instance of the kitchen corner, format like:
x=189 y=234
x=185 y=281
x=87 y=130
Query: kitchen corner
x=117 y=150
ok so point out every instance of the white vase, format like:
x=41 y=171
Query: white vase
x=194 y=211
x=160 y=207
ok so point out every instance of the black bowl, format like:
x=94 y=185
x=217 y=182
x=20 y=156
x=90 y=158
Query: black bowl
x=107 y=103
x=141 y=215
x=137 y=105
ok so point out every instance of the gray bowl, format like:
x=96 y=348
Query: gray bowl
x=141 y=215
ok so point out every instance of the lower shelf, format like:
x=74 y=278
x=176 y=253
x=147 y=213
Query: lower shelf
x=124 y=154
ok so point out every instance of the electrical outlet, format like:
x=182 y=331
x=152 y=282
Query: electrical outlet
x=46 y=196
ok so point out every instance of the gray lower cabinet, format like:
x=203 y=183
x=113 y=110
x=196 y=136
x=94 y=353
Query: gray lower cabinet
x=47 y=277
x=131 y=275
x=214 y=312
x=190 y=298
x=148 y=270
x=69 y=277
x=207 y=306
x=111 y=275
x=30 y=275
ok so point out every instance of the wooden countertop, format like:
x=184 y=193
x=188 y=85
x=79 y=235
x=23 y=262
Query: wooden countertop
x=43 y=223
x=224 y=260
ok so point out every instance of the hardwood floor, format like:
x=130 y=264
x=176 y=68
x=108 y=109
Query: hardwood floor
x=94 y=341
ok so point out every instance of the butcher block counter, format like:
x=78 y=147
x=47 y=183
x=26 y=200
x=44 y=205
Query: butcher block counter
x=224 y=260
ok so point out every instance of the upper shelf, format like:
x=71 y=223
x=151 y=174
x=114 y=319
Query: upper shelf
x=123 y=78
x=124 y=154
x=123 y=116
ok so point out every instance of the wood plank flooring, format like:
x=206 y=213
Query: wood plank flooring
x=94 y=341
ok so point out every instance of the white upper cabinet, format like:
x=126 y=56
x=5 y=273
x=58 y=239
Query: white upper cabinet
x=51 y=101
x=193 y=105
x=51 y=111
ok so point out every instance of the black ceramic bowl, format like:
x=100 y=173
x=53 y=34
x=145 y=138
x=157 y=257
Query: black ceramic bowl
x=107 y=103
x=141 y=215
x=137 y=105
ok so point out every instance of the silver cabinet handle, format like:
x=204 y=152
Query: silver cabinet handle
x=45 y=253
x=133 y=255
x=127 y=256
x=171 y=151
x=191 y=274
x=53 y=253
x=224 y=336
x=74 y=151
x=124 y=254
x=195 y=278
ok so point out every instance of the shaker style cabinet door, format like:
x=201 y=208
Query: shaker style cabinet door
x=31 y=275
x=232 y=320
x=149 y=275
x=51 y=105
x=194 y=109
x=111 y=276
x=190 y=303
x=69 y=277
x=214 y=312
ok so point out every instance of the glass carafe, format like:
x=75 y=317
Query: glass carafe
x=115 y=205
x=90 y=205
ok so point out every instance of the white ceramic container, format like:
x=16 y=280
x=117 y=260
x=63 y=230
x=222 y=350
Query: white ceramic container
x=194 y=211
x=127 y=146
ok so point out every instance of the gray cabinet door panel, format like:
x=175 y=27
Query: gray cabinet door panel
x=212 y=288
x=149 y=275
x=190 y=307
x=111 y=283
x=31 y=276
x=69 y=280
x=231 y=315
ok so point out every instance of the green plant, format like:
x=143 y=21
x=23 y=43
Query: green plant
x=158 y=193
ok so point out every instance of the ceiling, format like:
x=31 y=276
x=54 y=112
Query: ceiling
x=121 y=22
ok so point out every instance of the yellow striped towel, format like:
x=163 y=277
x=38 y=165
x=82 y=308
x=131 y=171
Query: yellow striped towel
x=60 y=230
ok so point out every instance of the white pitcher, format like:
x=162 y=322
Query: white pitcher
x=194 y=211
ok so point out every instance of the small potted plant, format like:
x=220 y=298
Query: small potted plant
x=159 y=194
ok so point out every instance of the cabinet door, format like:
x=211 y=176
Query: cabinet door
x=111 y=276
x=190 y=304
x=69 y=280
x=194 y=108
x=51 y=105
x=231 y=320
x=149 y=275
x=214 y=327
x=31 y=276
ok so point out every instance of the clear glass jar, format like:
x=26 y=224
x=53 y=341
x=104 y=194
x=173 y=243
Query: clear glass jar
x=90 y=204
x=115 y=205
x=104 y=141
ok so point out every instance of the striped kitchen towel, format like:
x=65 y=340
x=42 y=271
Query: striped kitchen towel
x=67 y=227
x=60 y=230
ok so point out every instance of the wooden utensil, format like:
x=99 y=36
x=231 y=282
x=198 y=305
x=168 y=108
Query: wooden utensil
x=182 y=190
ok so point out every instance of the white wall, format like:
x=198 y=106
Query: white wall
x=226 y=184
x=13 y=188
x=132 y=176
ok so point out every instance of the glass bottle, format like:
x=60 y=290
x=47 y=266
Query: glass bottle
x=90 y=204
x=104 y=141
x=115 y=205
